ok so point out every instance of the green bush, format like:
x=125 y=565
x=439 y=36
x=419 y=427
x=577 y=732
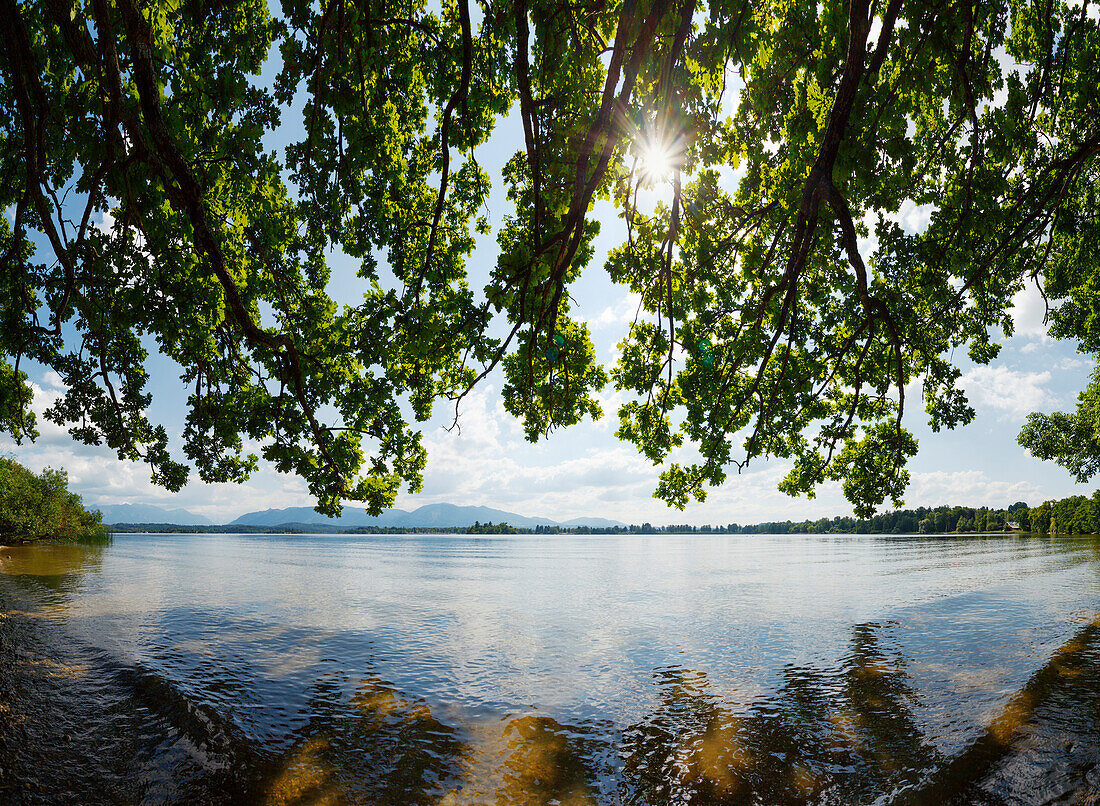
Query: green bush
x=38 y=507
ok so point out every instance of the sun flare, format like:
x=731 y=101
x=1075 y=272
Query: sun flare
x=658 y=151
x=656 y=162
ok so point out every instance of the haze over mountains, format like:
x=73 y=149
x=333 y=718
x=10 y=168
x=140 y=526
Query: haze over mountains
x=429 y=516
x=149 y=513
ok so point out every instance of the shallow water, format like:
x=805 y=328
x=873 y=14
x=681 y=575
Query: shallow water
x=539 y=669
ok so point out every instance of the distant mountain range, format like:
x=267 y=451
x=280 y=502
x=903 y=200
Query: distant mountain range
x=148 y=513
x=430 y=515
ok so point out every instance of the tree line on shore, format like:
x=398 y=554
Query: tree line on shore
x=1077 y=514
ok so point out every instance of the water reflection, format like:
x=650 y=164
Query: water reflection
x=381 y=746
x=378 y=746
x=689 y=748
x=51 y=564
x=826 y=735
x=1045 y=741
x=842 y=732
x=547 y=764
x=77 y=727
x=383 y=697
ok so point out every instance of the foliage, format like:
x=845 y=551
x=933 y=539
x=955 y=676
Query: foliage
x=491 y=529
x=1077 y=514
x=36 y=507
x=1071 y=439
x=1074 y=515
x=785 y=310
x=922 y=520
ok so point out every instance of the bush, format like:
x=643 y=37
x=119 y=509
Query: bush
x=37 y=507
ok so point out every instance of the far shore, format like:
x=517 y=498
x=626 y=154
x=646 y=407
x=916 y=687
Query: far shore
x=152 y=529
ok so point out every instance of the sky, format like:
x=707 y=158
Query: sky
x=585 y=470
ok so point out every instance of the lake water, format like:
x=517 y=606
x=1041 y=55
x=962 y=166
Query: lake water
x=551 y=669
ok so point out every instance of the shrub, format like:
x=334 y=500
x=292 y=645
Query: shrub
x=33 y=507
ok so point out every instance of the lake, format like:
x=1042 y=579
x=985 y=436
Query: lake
x=455 y=669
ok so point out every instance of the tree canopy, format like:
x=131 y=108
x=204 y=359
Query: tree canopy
x=785 y=311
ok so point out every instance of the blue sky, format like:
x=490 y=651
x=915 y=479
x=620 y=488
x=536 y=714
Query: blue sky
x=585 y=470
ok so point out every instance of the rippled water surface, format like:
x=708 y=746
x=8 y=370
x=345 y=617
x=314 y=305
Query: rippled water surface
x=556 y=669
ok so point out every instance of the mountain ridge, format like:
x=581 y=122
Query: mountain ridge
x=426 y=516
x=150 y=513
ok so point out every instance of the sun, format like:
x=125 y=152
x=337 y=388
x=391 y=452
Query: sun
x=659 y=151
x=656 y=162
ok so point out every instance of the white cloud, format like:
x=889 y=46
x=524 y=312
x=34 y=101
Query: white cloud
x=101 y=478
x=875 y=31
x=1011 y=392
x=753 y=497
x=489 y=463
x=45 y=393
x=610 y=400
x=967 y=488
x=106 y=222
x=618 y=313
x=732 y=97
x=483 y=425
x=1008 y=66
x=914 y=218
x=1029 y=311
x=869 y=245
x=1073 y=364
x=582 y=471
x=1092 y=12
